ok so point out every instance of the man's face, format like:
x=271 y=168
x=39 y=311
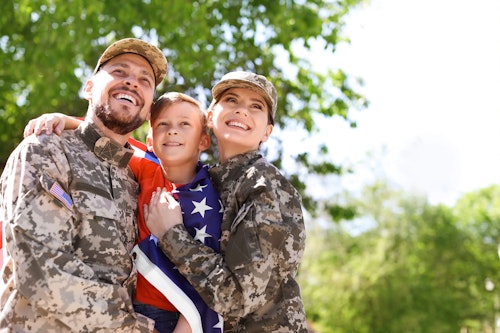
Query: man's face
x=121 y=92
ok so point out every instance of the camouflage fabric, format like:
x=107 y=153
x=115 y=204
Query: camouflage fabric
x=252 y=281
x=151 y=53
x=251 y=81
x=68 y=206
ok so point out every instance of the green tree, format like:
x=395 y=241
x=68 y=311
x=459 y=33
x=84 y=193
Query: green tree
x=413 y=268
x=478 y=213
x=49 y=47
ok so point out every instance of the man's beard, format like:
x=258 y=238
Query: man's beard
x=118 y=126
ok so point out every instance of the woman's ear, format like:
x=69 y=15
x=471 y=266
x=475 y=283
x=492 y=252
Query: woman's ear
x=267 y=133
x=210 y=116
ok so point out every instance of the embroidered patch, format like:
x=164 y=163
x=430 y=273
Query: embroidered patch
x=59 y=193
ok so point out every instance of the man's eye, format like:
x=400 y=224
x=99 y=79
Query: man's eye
x=147 y=82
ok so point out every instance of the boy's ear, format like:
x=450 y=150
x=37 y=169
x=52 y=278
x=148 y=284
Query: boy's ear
x=149 y=139
x=87 y=89
x=204 y=142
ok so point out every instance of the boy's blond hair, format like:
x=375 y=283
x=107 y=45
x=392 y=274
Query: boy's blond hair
x=168 y=99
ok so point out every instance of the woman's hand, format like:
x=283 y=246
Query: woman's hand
x=162 y=213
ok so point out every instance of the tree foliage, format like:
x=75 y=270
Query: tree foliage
x=413 y=268
x=49 y=48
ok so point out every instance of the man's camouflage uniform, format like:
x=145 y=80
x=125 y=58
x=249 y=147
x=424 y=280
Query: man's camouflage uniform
x=68 y=206
x=252 y=281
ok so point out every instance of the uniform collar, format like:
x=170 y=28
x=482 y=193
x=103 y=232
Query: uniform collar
x=104 y=147
x=223 y=173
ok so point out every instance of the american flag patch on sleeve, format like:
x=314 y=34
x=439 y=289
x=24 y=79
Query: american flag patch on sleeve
x=59 y=193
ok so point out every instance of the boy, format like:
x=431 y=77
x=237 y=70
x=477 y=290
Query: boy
x=251 y=282
x=177 y=135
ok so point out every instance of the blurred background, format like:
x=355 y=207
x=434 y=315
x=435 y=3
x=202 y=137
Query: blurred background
x=388 y=124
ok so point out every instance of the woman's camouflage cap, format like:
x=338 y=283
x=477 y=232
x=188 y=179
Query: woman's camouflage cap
x=252 y=81
x=151 y=53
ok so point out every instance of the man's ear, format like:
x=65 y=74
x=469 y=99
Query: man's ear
x=87 y=89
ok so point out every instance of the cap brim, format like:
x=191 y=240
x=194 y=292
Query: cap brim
x=151 y=53
x=222 y=86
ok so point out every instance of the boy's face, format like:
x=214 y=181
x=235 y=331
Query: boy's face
x=177 y=137
x=239 y=121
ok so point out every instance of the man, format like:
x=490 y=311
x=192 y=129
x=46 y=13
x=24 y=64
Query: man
x=68 y=205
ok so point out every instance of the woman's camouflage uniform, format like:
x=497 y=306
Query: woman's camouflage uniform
x=252 y=281
x=68 y=205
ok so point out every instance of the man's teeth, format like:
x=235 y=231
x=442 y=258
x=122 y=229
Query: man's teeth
x=127 y=98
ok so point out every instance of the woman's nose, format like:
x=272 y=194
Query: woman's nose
x=241 y=110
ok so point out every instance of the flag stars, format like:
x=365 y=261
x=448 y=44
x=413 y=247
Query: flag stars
x=198 y=188
x=200 y=207
x=201 y=234
x=220 y=323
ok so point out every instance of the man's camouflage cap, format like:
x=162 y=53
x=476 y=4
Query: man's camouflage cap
x=151 y=53
x=252 y=81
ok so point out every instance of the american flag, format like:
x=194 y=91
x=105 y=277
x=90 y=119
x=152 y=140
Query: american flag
x=57 y=191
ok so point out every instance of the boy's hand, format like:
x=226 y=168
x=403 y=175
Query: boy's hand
x=163 y=213
x=50 y=123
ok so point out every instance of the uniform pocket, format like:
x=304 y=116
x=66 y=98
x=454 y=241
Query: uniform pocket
x=243 y=245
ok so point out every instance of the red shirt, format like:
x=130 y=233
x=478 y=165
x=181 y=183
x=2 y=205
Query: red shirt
x=149 y=176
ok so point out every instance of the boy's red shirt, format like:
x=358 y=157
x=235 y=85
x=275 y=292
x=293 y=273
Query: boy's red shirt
x=150 y=177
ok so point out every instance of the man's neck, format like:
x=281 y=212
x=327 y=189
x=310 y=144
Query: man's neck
x=104 y=131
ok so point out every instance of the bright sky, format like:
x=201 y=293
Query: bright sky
x=432 y=76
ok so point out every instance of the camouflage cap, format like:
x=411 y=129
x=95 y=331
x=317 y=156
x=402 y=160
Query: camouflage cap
x=151 y=53
x=252 y=81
